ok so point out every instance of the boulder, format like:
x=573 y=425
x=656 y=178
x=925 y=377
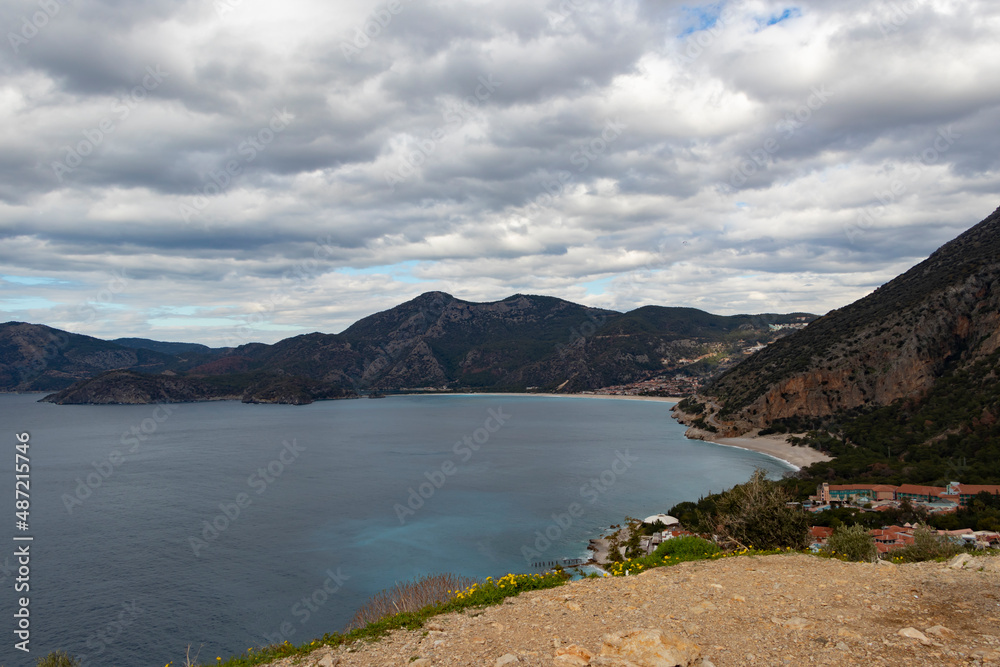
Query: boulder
x=647 y=648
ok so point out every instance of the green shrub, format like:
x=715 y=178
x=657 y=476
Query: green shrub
x=853 y=542
x=57 y=659
x=685 y=548
x=927 y=545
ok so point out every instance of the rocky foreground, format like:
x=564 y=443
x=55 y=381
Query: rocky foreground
x=773 y=610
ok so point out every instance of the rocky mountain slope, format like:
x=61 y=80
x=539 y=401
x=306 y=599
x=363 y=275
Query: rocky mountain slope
x=940 y=318
x=434 y=340
x=771 y=610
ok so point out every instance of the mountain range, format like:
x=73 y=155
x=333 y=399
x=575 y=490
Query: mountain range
x=434 y=341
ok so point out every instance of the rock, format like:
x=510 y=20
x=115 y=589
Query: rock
x=328 y=661
x=739 y=598
x=573 y=655
x=850 y=634
x=647 y=648
x=434 y=626
x=841 y=646
x=705 y=662
x=939 y=631
x=422 y=662
x=573 y=606
x=913 y=633
x=959 y=561
x=703 y=608
x=506 y=659
x=794 y=623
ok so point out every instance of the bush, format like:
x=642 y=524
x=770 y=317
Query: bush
x=756 y=514
x=855 y=542
x=409 y=596
x=57 y=659
x=927 y=545
x=685 y=548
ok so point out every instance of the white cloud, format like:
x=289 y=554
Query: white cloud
x=751 y=171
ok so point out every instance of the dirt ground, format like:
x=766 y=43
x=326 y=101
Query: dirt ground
x=771 y=610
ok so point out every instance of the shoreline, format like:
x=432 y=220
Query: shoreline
x=627 y=397
x=776 y=446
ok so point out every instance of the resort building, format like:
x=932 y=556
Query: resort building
x=937 y=497
x=965 y=492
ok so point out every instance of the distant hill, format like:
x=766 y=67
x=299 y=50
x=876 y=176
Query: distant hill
x=34 y=357
x=165 y=348
x=903 y=382
x=433 y=341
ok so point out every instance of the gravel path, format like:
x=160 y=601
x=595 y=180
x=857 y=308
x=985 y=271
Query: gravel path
x=772 y=610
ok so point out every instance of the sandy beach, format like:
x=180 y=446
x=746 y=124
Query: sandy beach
x=773 y=445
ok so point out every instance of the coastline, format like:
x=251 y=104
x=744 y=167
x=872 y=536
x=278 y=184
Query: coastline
x=776 y=446
x=662 y=399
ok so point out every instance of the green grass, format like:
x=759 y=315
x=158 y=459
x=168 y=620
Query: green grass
x=684 y=550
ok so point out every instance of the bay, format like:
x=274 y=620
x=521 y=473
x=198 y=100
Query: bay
x=224 y=526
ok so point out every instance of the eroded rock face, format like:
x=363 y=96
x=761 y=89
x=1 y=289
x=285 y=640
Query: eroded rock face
x=647 y=648
x=893 y=344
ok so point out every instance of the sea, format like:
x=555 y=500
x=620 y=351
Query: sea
x=217 y=527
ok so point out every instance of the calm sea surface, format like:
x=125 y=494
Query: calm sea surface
x=207 y=524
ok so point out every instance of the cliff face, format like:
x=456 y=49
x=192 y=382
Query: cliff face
x=943 y=315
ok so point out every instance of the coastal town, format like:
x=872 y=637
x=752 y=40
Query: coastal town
x=862 y=497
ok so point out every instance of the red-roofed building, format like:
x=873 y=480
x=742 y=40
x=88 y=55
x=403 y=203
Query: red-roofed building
x=820 y=534
x=920 y=493
x=966 y=492
x=844 y=492
x=893 y=537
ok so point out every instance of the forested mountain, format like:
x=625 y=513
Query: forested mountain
x=901 y=385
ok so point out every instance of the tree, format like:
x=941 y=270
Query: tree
x=757 y=514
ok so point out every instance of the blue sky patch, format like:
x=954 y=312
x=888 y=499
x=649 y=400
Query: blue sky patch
x=26 y=303
x=595 y=287
x=401 y=272
x=33 y=280
x=789 y=13
x=696 y=19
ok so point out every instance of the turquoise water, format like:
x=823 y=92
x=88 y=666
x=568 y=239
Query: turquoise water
x=226 y=526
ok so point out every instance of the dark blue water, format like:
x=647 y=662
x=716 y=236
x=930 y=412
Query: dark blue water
x=225 y=526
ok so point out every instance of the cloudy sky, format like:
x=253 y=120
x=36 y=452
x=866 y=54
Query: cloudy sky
x=196 y=170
